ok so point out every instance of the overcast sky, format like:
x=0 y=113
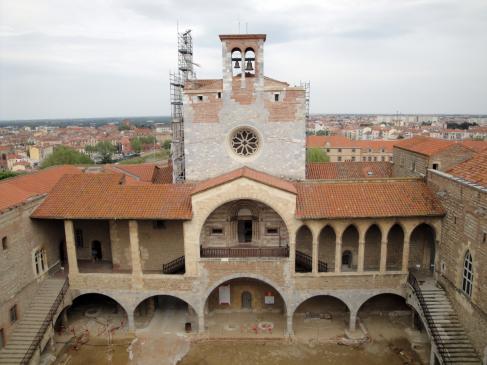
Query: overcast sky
x=96 y=58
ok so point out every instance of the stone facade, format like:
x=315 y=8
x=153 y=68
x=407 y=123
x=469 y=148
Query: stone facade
x=213 y=113
x=19 y=279
x=409 y=163
x=464 y=229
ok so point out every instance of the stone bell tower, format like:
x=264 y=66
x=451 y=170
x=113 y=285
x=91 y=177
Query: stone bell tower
x=245 y=118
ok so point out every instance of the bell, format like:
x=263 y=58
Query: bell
x=249 y=66
x=237 y=65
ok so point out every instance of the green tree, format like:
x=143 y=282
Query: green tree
x=316 y=155
x=63 y=155
x=167 y=144
x=136 y=144
x=105 y=149
x=90 y=149
x=7 y=174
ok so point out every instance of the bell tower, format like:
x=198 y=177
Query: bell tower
x=244 y=118
x=243 y=57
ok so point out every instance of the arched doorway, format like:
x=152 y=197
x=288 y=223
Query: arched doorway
x=373 y=238
x=260 y=307
x=244 y=228
x=395 y=247
x=165 y=313
x=304 y=250
x=321 y=317
x=246 y=300
x=422 y=249
x=327 y=248
x=350 y=248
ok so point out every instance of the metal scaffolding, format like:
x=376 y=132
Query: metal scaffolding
x=306 y=85
x=176 y=82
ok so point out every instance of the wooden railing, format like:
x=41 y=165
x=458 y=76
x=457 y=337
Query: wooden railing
x=45 y=324
x=174 y=266
x=244 y=252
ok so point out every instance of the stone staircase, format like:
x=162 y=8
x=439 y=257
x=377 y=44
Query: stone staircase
x=29 y=332
x=450 y=339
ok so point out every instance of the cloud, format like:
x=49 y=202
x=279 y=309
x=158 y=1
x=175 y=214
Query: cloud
x=415 y=56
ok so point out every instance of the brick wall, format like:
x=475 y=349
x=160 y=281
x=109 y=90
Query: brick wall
x=463 y=229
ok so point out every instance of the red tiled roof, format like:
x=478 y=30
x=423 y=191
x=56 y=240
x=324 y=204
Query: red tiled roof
x=425 y=145
x=249 y=173
x=393 y=198
x=143 y=172
x=348 y=170
x=163 y=175
x=17 y=190
x=344 y=142
x=474 y=169
x=477 y=146
x=104 y=196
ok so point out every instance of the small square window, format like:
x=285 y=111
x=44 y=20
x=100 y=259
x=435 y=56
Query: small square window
x=276 y=97
x=339 y=158
x=353 y=149
x=339 y=150
x=484 y=237
x=219 y=95
x=327 y=150
x=217 y=231
x=4 y=243
x=272 y=231
x=200 y=97
x=454 y=220
x=435 y=166
x=13 y=314
x=353 y=158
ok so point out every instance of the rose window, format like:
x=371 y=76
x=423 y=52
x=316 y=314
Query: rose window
x=245 y=142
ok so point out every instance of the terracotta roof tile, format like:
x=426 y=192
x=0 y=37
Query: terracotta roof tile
x=477 y=146
x=393 y=198
x=473 y=170
x=17 y=190
x=142 y=172
x=344 y=142
x=104 y=196
x=163 y=175
x=249 y=173
x=425 y=145
x=348 y=170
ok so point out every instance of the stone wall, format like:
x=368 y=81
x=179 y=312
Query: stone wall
x=120 y=243
x=209 y=122
x=407 y=163
x=464 y=228
x=18 y=278
x=94 y=230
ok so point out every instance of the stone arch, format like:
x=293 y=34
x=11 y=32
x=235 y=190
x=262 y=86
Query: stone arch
x=181 y=310
x=350 y=243
x=422 y=247
x=236 y=60
x=327 y=247
x=378 y=296
x=395 y=247
x=244 y=221
x=247 y=194
x=333 y=309
x=372 y=248
x=304 y=249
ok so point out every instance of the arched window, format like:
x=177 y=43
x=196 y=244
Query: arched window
x=249 y=61
x=236 y=61
x=40 y=261
x=467 y=283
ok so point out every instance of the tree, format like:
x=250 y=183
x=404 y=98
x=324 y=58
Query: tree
x=105 y=149
x=316 y=155
x=136 y=145
x=167 y=144
x=63 y=155
x=140 y=143
x=90 y=149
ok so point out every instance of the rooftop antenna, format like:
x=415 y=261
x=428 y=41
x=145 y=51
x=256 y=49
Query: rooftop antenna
x=246 y=28
x=238 y=25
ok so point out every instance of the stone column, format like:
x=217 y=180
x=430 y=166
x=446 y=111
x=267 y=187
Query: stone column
x=135 y=253
x=292 y=253
x=71 y=247
x=405 y=255
x=289 y=326
x=361 y=254
x=131 y=320
x=314 y=257
x=201 y=322
x=353 y=321
x=338 y=254
x=383 y=256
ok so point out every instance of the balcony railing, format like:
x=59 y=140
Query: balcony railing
x=244 y=251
